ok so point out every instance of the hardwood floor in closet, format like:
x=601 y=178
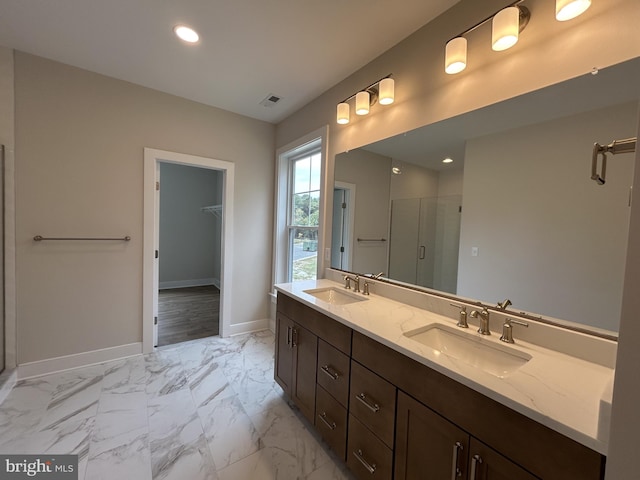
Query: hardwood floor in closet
x=188 y=313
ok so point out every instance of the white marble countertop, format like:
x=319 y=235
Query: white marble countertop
x=559 y=391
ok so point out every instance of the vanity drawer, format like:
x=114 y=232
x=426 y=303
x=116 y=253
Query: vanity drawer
x=373 y=402
x=367 y=457
x=331 y=421
x=333 y=372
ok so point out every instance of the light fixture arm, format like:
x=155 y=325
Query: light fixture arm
x=525 y=16
x=371 y=89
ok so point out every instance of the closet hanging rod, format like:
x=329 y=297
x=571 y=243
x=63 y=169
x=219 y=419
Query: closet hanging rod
x=40 y=238
x=372 y=239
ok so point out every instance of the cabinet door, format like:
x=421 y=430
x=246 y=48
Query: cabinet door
x=428 y=447
x=487 y=464
x=305 y=358
x=283 y=372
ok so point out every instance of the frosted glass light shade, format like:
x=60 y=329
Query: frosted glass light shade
x=568 y=9
x=362 y=103
x=505 y=29
x=455 y=55
x=386 y=92
x=343 y=113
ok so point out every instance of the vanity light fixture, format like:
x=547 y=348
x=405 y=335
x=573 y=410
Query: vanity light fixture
x=456 y=55
x=506 y=27
x=362 y=103
x=381 y=91
x=186 y=34
x=569 y=9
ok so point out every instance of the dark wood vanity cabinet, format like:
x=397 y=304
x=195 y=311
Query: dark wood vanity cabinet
x=296 y=357
x=390 y=417
x=313 y=354
x=498 y=432
x=429 y=447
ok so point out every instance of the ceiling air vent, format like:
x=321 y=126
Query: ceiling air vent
x=270 y=100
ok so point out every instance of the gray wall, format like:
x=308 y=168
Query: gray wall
x=79 y=171
x=189 y=238
x=574 y=231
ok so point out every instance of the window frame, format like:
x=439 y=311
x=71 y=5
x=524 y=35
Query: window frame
x=285 y=156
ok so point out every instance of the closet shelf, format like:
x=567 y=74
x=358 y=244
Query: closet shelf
x=213 y=209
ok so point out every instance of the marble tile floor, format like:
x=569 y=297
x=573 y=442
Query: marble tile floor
x=205 y=409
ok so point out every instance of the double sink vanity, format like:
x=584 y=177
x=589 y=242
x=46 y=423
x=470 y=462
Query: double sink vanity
x=398 y=390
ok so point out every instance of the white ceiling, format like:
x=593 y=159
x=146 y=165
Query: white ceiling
x=295 y=49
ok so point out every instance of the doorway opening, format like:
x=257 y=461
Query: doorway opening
x=189 y=258
x=214 y=213
x=343 y=225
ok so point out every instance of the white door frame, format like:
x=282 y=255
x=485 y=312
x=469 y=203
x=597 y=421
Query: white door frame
x=349 y=246
x=152 y=159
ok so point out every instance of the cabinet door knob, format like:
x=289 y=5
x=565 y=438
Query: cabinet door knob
x=475 y=461
x=371 y=468
x=374 y=407
x=455 y=469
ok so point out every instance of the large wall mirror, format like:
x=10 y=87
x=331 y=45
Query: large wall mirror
x=514 y=215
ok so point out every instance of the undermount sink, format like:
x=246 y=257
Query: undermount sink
x=335 y=296
x=498 y=360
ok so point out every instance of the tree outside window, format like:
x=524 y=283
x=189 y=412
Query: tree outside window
x=304 y=216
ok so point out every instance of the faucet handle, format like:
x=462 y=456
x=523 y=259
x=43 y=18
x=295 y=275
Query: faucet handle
x=507 y=329
x=462 y=319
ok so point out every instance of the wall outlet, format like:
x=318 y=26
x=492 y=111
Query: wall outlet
x=327 y=254
x=474 y=251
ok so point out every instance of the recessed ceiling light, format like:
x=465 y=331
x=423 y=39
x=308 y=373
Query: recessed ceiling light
x=447 y=160
x=187 y=34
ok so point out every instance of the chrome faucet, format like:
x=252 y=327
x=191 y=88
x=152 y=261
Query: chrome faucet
x=503 y=305
x=484 y=320
x=356 y=280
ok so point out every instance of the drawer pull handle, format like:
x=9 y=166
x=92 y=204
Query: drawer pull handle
x=475 y=461
x=455 y=469
x=323 y=417
x=370 y=468
x=326 y=369
x=374 y=407
x=294 y=337
x=289 y=337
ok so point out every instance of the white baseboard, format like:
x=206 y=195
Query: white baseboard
x=84 y=359
x=248 y=327
x=194 y=282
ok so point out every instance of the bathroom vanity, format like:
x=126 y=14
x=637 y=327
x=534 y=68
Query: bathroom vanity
x=365 y=371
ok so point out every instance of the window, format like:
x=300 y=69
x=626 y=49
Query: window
x=304 y=214
x=298 y=208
